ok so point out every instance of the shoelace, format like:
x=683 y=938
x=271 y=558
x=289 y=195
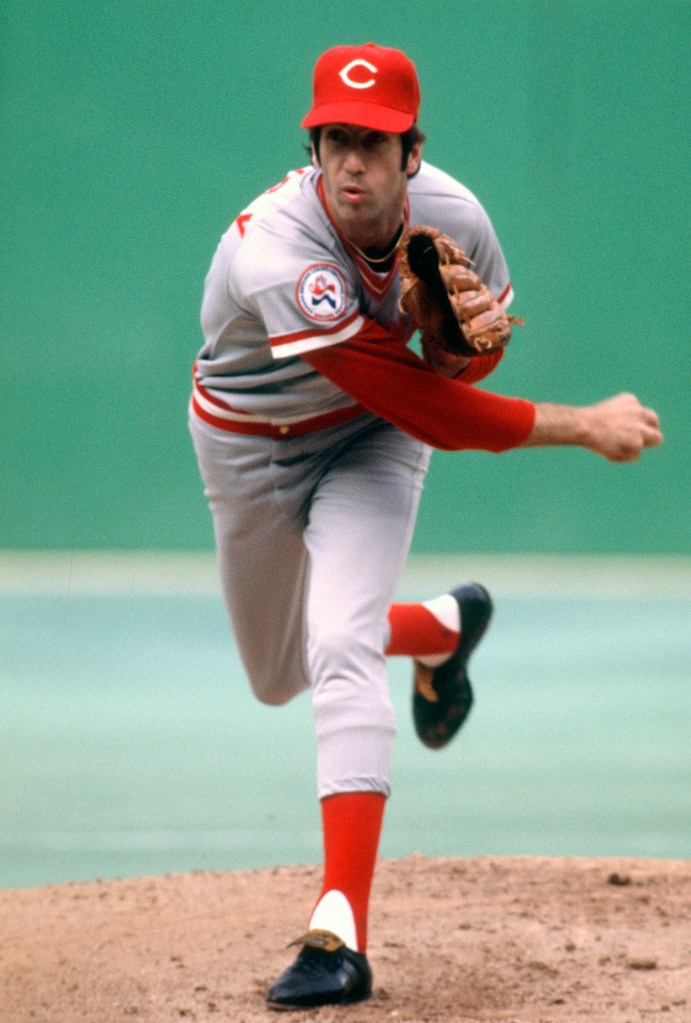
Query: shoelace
x=313 y=960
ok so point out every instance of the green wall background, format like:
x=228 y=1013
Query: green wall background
x=132 y=132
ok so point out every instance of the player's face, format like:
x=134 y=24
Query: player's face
x=364 y=182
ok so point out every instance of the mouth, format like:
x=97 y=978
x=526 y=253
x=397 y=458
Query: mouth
x=352 y=193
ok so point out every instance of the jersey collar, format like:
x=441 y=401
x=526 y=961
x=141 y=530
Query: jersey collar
x=376 y=283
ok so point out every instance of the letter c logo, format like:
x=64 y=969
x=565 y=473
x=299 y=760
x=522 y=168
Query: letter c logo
x=347 y=80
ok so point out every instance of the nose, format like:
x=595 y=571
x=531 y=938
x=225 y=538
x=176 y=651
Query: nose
x=354 y=161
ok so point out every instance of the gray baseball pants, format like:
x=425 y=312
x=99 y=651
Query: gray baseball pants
x=312 y=534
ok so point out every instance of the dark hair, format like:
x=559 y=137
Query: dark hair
x=409 y=138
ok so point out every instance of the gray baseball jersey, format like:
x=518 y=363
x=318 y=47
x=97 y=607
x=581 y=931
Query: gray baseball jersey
x=283 y=282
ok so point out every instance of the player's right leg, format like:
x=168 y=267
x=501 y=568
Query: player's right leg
x=440 y=635
x=261 y=555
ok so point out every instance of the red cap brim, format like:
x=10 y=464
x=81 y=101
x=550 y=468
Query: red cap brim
x=363 y=115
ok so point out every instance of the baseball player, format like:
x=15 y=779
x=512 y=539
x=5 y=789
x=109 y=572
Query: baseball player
x=313 y=423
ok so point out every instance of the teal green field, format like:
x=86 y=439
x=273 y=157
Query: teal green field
x=130 y=744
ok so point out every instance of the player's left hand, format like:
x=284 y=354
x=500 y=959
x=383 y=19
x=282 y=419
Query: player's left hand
x=442 y=361
x=449 y=303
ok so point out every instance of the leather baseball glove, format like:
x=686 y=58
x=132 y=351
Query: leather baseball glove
x=450 y=305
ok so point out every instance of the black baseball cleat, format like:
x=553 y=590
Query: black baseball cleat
x=325 y=972
x=442 y=696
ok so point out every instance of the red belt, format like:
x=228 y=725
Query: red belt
x=264 y=428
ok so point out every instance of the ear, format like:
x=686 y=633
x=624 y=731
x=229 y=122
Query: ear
x=413 y=162
x=315 y=158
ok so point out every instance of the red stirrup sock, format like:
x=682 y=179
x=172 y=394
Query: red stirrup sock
x=352 y=823
x=419 y=629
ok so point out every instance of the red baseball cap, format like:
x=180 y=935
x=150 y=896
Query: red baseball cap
x=370 y=86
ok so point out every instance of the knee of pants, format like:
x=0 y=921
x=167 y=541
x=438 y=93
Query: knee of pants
x=275 y=690
x=276 y=680
x=270 y=696
x=349 y=683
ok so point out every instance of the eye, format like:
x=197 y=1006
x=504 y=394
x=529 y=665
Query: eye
x=337 y=136
x=376 y=138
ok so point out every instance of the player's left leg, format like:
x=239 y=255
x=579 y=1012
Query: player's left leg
x=360 y=525
x=439 y=634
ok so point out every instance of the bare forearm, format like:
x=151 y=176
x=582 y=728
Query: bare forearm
x=618 y=428
x=557 y=424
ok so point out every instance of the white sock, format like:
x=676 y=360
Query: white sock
x=447 y=611
x=333 y=913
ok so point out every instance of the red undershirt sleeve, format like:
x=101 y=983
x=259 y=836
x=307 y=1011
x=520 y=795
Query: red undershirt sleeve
x=381 y=373
x=480 y=368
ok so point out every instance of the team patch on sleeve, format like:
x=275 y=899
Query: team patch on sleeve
x=321 y=292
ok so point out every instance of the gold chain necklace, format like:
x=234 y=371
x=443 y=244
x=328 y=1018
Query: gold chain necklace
x=378 y=259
